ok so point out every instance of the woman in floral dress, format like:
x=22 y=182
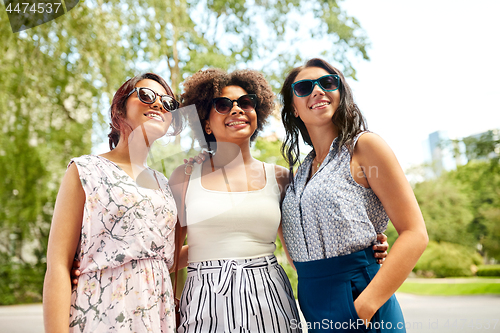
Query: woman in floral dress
x=118 y=215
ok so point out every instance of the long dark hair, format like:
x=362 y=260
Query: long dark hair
x=347 y=118
x=118 y=108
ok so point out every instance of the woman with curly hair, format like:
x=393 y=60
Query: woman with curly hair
x=232 y=209
x=342 y=195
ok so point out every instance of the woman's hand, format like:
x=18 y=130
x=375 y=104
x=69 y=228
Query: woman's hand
x=364 y=312
x=75 y=272
x=381 y=248
x=198 y=159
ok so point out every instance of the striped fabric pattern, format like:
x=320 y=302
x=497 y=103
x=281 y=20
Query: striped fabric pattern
x=238 y=295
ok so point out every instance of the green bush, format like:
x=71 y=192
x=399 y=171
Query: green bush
x=447 y=260
x=488 y=270
x=20 y=282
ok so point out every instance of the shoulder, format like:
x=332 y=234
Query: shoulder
x=84 y=159
x=84 y=164
x=371 y=149
x=371 y=144
x=72 y=169
x=282 y=178
x=178 y=175
x=159 y=175
x=72 y=177
x=282 y=174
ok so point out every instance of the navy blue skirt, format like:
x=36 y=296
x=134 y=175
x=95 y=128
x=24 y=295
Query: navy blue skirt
x=327 y=289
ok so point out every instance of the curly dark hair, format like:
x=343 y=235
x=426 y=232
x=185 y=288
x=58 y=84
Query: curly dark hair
x=118 y=110
x=347 y=118
x=205 y=85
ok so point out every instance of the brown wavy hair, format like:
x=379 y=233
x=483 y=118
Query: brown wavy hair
x=118 y=110
x=347 y=118
x=205 y=85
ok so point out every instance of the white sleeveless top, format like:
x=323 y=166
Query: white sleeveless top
x=231 y=225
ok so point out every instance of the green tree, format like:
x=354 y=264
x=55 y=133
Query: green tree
x=267 y=149
x=446 y=211
x=485 y=146
x=447 y=260
x=481 y=181
x=52 y=84
x=58 y=79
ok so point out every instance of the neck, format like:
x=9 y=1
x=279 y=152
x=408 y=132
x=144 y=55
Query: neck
x=232 y=154
x=322 y=138
x=132 y=149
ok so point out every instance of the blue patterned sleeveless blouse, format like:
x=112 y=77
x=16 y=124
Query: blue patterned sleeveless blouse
x=332 y=215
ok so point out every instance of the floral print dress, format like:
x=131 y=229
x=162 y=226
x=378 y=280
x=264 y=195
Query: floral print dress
x=125 y=251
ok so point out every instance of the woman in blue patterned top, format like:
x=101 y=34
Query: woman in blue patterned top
x=343 y=194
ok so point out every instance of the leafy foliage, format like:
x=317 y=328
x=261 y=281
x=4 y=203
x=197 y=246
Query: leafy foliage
x=446 y=211
x=488 y=270
x=481 y=181
x=447 y=259
x=484 y=146
x=267 y=149
x=21 y=282
x=463 y=206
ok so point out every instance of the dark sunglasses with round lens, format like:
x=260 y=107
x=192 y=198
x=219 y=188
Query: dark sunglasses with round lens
x=224 y=105
x=304 y=88
x=148 y=96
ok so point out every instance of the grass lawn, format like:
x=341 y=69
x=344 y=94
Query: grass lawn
x=452 y=287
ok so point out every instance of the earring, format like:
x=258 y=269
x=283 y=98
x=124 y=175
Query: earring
x=207 y=128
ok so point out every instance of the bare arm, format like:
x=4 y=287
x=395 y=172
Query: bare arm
x=63 y=241
x=289 y=259
x=389 y=183
x=176 y=183
x=283 y=180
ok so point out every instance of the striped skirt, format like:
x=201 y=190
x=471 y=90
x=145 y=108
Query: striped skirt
x=247 y=295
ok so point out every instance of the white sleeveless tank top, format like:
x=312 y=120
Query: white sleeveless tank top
x=231 y=225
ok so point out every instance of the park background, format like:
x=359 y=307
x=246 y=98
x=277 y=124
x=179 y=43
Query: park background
x=415 y=68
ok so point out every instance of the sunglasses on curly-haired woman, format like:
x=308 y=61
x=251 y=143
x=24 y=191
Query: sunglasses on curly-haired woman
x=224 y=105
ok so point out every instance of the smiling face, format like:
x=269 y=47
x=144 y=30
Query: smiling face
x=154 y=117
x=237 y=126
x=318 y=108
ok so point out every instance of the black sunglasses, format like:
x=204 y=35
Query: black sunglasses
x=304 y=88
x=148 y=96
x=246 y=102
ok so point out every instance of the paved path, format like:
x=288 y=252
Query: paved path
x=21 y=319
x=429 y=314
x=464 y=314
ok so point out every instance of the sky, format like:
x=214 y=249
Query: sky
x=435 y=65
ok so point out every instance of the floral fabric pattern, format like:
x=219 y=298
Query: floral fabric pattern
x=332 y=215
x=126 y=249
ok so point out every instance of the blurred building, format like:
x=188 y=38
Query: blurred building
x=443 y=153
